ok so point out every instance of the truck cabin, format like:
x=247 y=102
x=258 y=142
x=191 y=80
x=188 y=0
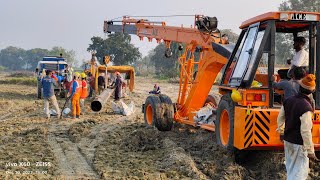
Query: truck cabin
x=87 y=67
x=262 y=50
x=57 y=64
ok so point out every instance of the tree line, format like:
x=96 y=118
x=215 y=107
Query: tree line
x=16 y=59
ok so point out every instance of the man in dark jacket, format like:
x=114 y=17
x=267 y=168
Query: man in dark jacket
x=296 y=117
x=118 y=86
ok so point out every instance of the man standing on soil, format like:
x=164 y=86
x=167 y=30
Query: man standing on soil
x=75 y=92
x=118 y=87
x=48 y=93
x=84 y=92
x=91 y=82
x=101 y=83
x=296 y=116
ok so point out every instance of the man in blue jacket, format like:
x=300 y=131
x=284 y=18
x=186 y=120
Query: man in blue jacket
x=48 y=93
x=290 y=87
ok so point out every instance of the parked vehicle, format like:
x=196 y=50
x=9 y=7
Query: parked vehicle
x=56 y=64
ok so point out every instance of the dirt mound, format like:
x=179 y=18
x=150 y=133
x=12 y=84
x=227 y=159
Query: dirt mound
x=176 y=159
x=141 y=140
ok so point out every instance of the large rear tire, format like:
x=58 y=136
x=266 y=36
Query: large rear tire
x=165 y=122
x=225 y=122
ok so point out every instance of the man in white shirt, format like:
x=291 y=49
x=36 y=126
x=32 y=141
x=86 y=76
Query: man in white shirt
x=301 y=57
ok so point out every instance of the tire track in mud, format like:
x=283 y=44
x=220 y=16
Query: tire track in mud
x=72 y=163
x=87 y=146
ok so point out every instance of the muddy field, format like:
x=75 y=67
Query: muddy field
x=105 y=145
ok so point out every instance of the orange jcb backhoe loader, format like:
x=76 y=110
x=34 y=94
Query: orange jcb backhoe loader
x=251 y=122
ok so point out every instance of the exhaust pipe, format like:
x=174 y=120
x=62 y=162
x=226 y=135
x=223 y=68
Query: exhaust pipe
x=99 y=101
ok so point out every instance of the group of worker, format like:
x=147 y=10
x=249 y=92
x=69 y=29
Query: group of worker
x=78 y=92
x=295 y=116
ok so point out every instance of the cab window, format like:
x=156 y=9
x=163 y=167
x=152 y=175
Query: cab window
x=244 y=57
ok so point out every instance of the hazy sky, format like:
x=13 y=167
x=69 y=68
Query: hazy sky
x=71 y=23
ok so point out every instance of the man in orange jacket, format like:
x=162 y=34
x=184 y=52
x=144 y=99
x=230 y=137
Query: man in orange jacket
x=75 y=91
x=84 y=92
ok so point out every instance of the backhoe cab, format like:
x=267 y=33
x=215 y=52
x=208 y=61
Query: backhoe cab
x=258 y=55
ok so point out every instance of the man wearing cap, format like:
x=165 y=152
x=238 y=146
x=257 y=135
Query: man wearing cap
x=48 y=93
x=301 y=57
x=296 y=117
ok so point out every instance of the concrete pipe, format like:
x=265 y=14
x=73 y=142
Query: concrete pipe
x=100 y=100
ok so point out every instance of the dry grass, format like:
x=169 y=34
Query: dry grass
x=21 y=74
x=31 y=81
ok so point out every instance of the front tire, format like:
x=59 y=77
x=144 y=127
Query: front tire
x=225 y=122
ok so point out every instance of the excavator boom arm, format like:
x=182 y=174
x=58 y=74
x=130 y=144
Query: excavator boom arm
x=193 y=90
x=160 y=32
